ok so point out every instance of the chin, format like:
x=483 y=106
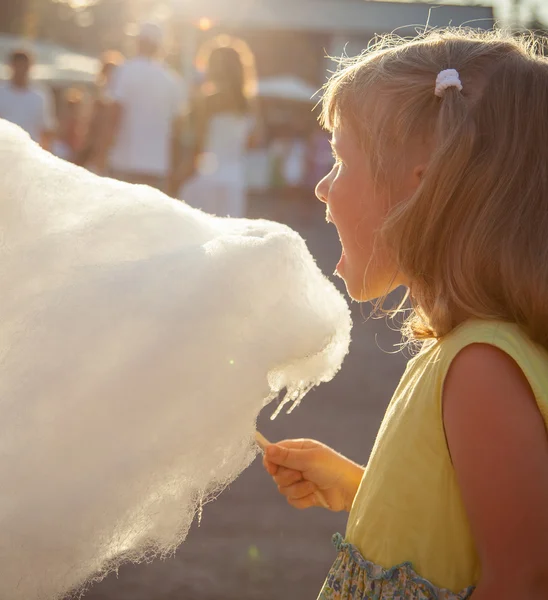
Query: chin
x=366 y=296
x=356 y=290
x=363 y=287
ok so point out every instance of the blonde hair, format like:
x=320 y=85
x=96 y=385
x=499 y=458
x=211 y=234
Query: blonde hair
x=473 y=240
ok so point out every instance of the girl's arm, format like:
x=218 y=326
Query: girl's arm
x=499 y=447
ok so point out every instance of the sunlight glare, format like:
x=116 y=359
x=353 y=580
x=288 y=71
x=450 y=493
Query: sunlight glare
x=204 y=24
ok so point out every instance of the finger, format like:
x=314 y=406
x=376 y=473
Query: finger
x=299 y=444
x=271 y=468
x=292 y=458
x=285 y=477
x=301 y=503
x=298 y=490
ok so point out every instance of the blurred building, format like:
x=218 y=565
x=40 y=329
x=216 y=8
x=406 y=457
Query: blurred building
x=292 y=37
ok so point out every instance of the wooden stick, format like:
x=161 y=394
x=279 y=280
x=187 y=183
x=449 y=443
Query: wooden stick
x=262 y=442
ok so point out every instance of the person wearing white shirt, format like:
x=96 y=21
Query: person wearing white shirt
x=27 y=105
x=146 y=99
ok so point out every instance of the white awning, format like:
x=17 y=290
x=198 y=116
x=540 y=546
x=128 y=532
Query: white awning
x=349 y=16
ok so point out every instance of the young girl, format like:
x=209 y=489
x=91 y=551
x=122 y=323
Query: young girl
x=441 y=185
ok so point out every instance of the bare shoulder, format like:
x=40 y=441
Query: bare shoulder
x=487 y=398
x=497 y=440
x=489 y=407
x=486 y=369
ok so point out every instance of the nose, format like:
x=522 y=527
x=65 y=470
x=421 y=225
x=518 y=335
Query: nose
x=322 y=188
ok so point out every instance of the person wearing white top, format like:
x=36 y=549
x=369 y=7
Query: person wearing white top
x=25 y=104
x=213 y=176
x=146 y=98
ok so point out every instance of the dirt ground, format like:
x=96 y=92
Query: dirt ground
x=251 y=544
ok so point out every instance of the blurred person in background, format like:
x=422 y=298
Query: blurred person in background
x=213 y=177
x=25 y=104
x=110 y=61
x=146 y=97
x=69 y=139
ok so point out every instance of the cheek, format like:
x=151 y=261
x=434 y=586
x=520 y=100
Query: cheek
x=358 y=213
x=341 y=191
x=347 y=201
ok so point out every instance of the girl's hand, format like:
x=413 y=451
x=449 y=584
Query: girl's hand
x=301 y=468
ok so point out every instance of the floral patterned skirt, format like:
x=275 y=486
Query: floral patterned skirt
x=353 y=578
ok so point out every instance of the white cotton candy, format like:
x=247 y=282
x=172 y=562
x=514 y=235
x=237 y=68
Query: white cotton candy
x=139 y=339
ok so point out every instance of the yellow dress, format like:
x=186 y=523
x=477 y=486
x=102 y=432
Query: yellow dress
x=408 y=532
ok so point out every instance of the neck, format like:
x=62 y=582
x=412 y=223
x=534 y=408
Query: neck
x=147 y=51
x=19 y=83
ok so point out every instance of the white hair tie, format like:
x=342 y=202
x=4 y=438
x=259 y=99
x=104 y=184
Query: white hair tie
x=446 y=79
